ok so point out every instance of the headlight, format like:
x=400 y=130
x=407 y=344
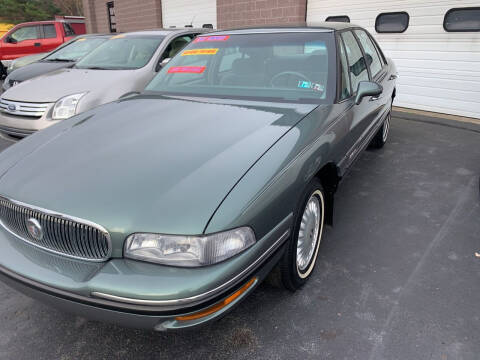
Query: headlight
x=66 y=107
x=188 y=251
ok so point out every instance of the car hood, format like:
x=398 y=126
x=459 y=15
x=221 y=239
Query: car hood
x=38 y=68
x=50 y=87
x=147 y=163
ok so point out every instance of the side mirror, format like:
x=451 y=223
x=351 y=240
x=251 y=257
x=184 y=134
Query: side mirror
x=367 y=88
x=11 y=40
x=162 y=64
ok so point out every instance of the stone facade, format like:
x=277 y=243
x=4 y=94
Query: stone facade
x=241 y=13
x=147 y=14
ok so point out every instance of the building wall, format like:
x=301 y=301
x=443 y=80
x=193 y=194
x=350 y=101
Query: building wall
x=130 y=15
x=96 y=16
x=238 y=13
x=138 y=15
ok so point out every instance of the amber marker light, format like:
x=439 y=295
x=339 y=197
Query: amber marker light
x=218 y=306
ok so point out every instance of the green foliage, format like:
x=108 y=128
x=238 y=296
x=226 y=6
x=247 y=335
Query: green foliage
x=17 y=11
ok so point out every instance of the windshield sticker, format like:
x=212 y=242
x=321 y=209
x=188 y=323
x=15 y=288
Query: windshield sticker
x=309 y=85
x=187 y=69
x=211 y=38
x=117 y=37
x=200 y=52
x=82 y=39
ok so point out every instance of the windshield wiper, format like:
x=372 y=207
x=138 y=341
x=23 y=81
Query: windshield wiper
x=61 y=60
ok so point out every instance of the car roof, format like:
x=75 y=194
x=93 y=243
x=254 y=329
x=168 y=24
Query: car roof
x=315 y=27
x=164 y=32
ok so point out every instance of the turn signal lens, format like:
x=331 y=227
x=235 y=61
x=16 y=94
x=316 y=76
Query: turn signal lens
x=220 y=305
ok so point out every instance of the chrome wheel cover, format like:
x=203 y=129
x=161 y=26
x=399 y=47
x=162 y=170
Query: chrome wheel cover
x=386 y=128
x=309 y=234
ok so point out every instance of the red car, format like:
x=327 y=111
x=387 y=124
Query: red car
x=36 y=37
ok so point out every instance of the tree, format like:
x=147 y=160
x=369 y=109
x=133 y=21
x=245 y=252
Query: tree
x=17 y=11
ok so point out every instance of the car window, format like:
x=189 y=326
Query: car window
x=76 y=49
x=345 y=89
x=49 y=31
x=25 y=33
x=175 y=46
x=122 y=52
x=290 y=67
x=357 y=65
x=68 y=30
x=370 y=51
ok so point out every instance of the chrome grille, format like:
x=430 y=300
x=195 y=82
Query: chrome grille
x=23 y=108
x=60 y=234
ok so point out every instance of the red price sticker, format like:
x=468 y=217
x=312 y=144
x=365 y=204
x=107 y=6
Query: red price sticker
x=187 y=69
x=211 y=38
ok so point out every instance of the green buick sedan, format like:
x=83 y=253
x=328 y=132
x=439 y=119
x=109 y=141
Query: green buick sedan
x=165 y=209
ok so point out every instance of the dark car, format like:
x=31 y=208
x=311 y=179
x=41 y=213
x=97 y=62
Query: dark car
x=165 y=209
x=63 y=57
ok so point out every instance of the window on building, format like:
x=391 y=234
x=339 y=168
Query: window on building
x=392 y=22
x=345 y=88
x=68 y=30
x=49 y=31
x=462 y=19
x=357 y=65
x=370 y=52
x=111 y=17
x=339 y=18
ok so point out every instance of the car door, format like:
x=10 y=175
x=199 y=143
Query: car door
x=364 y=116
x=51 y=37
x=24 y=40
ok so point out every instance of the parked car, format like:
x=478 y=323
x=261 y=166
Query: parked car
x=23 y=61
x=32 y=38
x=165 y=209
x=63 y=57
x=122 y=65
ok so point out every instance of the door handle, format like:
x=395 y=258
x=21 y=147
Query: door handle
x=36 y=44
x=392 y=77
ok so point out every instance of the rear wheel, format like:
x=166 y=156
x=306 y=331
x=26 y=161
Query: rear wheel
x=300 y=257
x=382 y=135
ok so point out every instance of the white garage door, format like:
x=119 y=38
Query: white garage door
x=179 y=13
x=438 y=70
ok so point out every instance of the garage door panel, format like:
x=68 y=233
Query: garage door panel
x=438 y=71
x=179 y=13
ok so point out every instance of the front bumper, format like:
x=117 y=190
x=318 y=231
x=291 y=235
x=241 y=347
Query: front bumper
x=18 y=126
x=79 y=288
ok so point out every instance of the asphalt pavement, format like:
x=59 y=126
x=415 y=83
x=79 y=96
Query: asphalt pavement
x=397 y=276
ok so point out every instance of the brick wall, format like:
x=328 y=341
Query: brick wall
x=130 y=15
x=138 y=15
x=239 y=13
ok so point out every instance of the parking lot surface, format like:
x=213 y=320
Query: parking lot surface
x=397 y=276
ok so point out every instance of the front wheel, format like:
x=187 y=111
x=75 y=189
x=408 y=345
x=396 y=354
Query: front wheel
x=299 y=258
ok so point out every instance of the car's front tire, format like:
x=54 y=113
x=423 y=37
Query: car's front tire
x=301 y=254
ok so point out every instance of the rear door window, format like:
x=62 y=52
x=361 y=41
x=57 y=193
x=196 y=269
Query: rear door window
x=49 y=31
x=357 y=65
x=370 y=52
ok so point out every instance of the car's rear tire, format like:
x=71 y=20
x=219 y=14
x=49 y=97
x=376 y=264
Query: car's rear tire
x=381 y=136
x=301 y=254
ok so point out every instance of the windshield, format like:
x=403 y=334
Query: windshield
x=279 y=67
x=122 y=53
x=76 y=49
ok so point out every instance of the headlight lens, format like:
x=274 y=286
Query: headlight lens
x=66 y=107
x=189 y=251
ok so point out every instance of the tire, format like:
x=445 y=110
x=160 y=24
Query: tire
x=300 y=257
x=3 y=71
x=381 y=136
